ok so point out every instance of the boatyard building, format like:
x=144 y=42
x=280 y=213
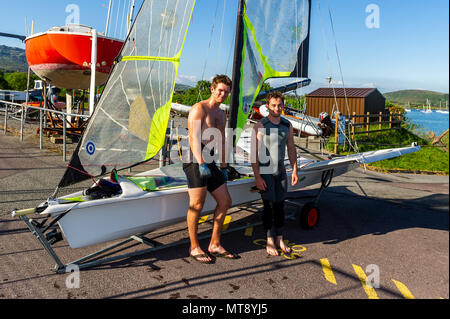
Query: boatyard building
x=346 y=101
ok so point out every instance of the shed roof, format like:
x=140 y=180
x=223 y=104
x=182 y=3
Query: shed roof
x=349 y=92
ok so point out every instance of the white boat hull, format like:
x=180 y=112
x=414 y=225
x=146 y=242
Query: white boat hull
x=136 y=211
x=103 y=220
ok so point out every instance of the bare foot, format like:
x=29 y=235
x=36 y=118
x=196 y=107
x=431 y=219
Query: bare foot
x=282 y=245
x=196 y=252
x=270 y=247
x=219 y=250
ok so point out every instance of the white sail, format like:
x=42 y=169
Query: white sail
x=130 y=120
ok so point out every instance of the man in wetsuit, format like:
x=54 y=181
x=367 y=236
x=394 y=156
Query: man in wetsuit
x=273 y=133
x=202 y=173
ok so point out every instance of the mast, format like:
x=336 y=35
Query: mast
x=237 y=63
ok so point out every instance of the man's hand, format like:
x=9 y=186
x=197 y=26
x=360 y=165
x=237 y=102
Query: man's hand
x=260 y=183
x=205 y=172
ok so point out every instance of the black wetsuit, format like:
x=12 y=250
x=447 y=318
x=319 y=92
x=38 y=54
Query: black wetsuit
x=276 y=182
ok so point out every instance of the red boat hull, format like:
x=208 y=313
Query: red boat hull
x=63 y=58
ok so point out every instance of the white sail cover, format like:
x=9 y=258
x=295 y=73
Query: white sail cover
x=130 y=120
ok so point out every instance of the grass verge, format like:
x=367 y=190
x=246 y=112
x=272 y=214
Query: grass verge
x=430 y=159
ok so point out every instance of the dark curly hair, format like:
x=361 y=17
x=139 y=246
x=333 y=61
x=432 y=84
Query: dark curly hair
x=220 y=78
x=274 y=95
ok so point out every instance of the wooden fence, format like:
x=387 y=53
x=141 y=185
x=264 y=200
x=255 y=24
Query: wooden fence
x=393 y=119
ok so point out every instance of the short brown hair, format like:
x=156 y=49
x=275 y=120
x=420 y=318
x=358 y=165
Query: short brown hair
x=274 y=95
x=221 y=78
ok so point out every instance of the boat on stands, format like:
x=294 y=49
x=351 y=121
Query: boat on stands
x=62 y=56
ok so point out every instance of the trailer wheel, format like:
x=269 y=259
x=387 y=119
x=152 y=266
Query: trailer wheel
x=309 y=216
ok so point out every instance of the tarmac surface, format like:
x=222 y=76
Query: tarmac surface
x=380 y=236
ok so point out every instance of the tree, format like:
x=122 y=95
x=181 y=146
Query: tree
x=3 y=83
x=18 y=81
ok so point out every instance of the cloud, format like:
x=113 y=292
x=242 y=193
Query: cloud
x=187 y=79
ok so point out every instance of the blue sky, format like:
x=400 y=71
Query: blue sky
x=409 y=49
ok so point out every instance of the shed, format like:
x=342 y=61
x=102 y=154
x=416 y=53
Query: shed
x=359 y=100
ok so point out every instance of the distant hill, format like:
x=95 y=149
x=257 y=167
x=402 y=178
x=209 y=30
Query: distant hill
x=13 y=59
x=182 y=87
x=416 y=97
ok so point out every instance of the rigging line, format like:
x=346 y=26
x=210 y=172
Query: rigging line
x=172 y=33
x=209 y=46
x=330 y=69
x=355 y=147
x=298 y=34
x=159 y=54
x=229 y=53
x=108 y=30
x=338 y=58
x=85 y=173
x=123 y=14
x=148 y=50
x=117 y=19
x=126 y=18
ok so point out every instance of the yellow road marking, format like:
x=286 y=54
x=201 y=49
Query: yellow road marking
x=226 y=223
x=297 y=248
x=403 y=289
x=370 y=291
x=203 y=219
x=327 y=271
x=249 y=232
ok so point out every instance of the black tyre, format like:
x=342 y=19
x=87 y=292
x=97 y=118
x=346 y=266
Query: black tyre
x=309 y=216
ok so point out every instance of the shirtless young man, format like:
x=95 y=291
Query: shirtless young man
x=272 y=180
x=204 y=175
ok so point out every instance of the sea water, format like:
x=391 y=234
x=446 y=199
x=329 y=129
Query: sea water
x=435 y=121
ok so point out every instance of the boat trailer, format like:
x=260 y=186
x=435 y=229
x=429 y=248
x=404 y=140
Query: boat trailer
x=306 y=216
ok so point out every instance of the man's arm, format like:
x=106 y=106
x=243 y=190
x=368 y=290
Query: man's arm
x=256 y=141
x=195 y=119
x=221 y=124
x=292 y=154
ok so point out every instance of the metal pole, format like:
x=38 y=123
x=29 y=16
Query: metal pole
x=161 y=158
x=45 y=102
x=24 y=110
x=93 y=67
x=40 y=129
x=170 y=141
x=107 y=19
x=336 y=133
x=6 y=118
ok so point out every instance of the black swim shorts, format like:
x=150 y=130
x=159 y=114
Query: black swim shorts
x=195 y=180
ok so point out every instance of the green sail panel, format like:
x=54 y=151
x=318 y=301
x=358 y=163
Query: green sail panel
x=275 y=44
x=130 y=120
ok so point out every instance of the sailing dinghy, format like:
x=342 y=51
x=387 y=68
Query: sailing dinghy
x=129 y=125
